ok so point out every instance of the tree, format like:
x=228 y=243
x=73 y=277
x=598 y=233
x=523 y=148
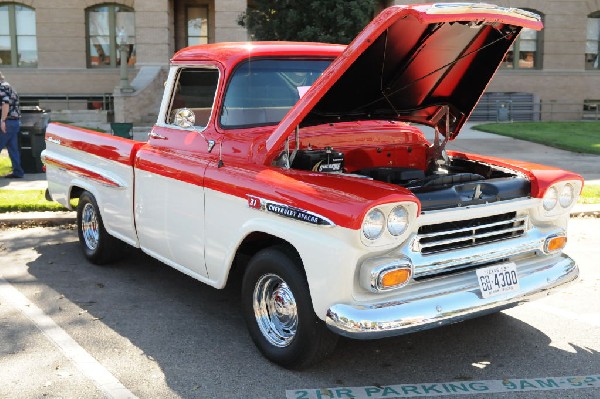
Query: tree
x=329 y=21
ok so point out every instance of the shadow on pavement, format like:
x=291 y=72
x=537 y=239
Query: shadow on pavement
x=197 y=338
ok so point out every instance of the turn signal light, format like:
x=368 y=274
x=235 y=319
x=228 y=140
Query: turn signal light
x=395 y=278
x=555 y=243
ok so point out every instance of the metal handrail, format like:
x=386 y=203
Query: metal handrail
x=100 y=101
x=539 y=110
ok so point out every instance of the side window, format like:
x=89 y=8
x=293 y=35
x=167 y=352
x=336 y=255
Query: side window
x=195 y=89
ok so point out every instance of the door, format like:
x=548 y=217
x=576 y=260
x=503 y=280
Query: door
x=169 y=189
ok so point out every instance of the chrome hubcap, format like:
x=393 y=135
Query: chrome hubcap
x=275 y=310
x=89 y=227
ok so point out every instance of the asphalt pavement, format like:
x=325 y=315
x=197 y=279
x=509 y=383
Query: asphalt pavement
x=140 y=329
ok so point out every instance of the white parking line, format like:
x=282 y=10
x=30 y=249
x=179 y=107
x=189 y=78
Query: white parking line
x=86 y=363
x=454 y=388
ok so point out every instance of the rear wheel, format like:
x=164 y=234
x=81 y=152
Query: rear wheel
x=98 y=246
x=277 y=307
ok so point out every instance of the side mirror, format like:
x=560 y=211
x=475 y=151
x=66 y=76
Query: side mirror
x=185 y=118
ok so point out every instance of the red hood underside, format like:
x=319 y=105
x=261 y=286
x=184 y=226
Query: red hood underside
x=425 y=64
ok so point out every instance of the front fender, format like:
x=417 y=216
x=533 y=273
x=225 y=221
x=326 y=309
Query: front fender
x=329 y=253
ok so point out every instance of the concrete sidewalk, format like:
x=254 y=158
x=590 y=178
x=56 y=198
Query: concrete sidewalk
x=469 y=140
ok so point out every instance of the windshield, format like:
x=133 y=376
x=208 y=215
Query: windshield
x=261 y=92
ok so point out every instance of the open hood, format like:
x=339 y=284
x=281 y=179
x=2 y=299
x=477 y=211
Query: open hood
x=426 y=64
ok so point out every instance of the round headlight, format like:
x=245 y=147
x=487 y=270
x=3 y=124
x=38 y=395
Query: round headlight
x=373 y=224
x=550 y=199
x=567 y=195
x=397 y=221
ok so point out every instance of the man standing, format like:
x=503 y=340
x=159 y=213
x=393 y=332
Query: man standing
x=10 y=126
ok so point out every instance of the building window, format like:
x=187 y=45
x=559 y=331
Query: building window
x=197 y=25
x=592 y=44
x=526 y=51
x=105 y=25
x=18 y=44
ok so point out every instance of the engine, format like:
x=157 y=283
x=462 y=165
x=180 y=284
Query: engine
x=460 y=182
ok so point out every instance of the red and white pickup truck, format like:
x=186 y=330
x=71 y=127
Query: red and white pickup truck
x=299 y=166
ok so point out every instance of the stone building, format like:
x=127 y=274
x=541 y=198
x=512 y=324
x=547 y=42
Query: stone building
x=65 y=54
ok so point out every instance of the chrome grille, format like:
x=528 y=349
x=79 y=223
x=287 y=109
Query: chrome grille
x=449 y=236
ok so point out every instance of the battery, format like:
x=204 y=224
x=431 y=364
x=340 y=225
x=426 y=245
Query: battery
x=326 y=160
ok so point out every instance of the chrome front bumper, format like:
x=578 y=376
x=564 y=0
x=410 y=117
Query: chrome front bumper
x=446 y=300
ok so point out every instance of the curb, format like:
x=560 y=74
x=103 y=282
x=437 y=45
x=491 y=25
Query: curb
x=59 y=218
x=62 y=218
x=586 y=210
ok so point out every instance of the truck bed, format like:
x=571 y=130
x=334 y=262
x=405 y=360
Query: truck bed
x=96 y=162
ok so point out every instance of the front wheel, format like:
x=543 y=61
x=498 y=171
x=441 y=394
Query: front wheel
x=277 y=307
x=98 y=246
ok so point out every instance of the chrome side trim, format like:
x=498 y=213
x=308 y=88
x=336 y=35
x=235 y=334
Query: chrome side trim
x=437 y=303
x=52 y=140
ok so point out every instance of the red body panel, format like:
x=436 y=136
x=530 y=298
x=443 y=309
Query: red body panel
x=328 y=195
x=100 y=144
x=541 y=176
x=175 y=165
x=231 y=54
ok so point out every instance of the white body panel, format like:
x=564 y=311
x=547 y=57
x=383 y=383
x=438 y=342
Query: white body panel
x=169 y=216
x=115 y=202
x=329 y=254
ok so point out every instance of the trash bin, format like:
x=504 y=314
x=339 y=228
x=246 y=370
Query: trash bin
x=122 y=129
x=34 y=121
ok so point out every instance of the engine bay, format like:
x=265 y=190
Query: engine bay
x=451 y=182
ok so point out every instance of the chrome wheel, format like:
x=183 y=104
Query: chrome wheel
x=275 y=310
x=89 y=226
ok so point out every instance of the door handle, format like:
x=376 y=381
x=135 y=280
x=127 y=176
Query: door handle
x=157 y=136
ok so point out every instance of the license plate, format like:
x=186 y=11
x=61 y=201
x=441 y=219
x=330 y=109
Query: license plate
x=498 y=279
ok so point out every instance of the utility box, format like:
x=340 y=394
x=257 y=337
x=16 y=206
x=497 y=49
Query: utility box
x=34 y=121
x=122 y=129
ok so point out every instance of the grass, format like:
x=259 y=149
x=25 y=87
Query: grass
x=581 y=137
x=23 y=200
x=5 y=166
x=27 y=201
x=590 y=195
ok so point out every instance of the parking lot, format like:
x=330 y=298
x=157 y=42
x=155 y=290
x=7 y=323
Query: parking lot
x=69 y=329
